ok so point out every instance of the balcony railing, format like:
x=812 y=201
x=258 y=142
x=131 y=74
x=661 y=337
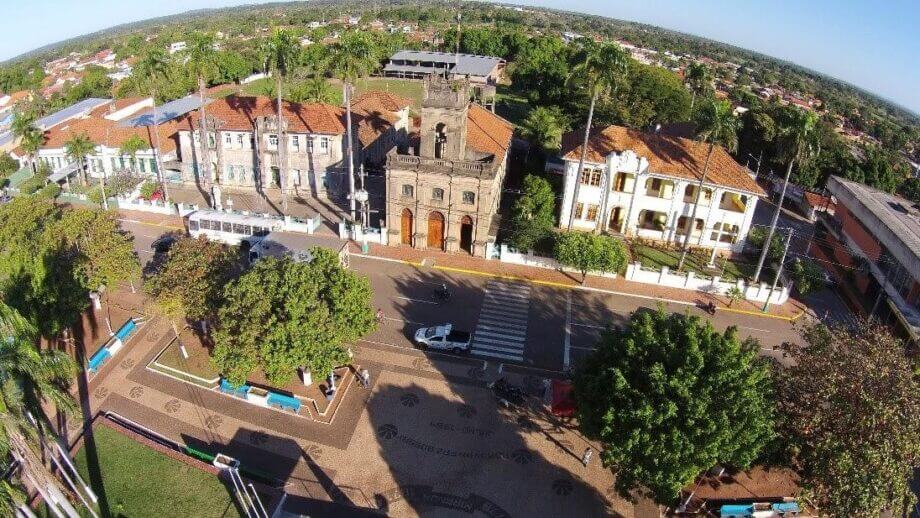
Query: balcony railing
x=460 y=166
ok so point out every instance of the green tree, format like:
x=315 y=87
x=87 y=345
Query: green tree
x=533 y=215
x=910 y=189
x=29 y=378
x=202 y=62
x=881 y=169
x=543 y=127
x=283 y=315
x=352 y=57
x=798 y=143
x=587 y=252
x=131 y=147
x=806 y=275
x=541 y=70
x=281 y=57
x=718 y=126
x=189 y=282
x=313 y=90
x=151 y=68
x=31 y=140
x=78 y=148
x=8 y=166
x=601 y=69
x=698 y=79
x=669 y=397
x=849 y=405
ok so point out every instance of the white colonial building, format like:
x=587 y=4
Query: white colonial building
x=644 y=185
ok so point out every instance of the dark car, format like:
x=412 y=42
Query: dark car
x=162 y=245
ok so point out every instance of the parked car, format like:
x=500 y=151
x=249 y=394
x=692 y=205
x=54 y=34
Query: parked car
x=443 y=338
x=162 y=245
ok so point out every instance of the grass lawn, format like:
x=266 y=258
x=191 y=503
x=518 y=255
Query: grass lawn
x=402 y=87
x=140 y=481
x=655 y=257
x=511 y=104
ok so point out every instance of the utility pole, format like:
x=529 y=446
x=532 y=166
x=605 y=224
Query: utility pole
x=779 y=207
x=779 y=270
x=351 y=155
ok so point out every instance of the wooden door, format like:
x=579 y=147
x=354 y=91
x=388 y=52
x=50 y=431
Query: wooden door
x=436 y=230
x=405 y=232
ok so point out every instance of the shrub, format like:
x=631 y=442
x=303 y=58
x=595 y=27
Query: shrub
x=49 y=192
x=148 y=189
x=590 y=252
x=806 y=275
x=32 y=184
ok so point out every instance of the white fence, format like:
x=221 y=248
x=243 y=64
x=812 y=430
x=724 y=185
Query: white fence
x=511 y=256
x=140 y=204
x=689 y=281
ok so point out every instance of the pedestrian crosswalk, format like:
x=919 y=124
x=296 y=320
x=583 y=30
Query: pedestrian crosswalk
x=502 y=328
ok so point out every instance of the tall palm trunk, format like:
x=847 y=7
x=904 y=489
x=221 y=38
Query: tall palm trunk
x=161 y=175
x=282 y=155
x=772 y=229
x=351 y=152
x=581 y=159
x=205 y=170
x=692 y=102
x=696 y=205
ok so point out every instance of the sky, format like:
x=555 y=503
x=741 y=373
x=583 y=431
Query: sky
x=874 y=45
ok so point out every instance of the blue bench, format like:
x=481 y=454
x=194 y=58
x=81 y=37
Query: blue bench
x=229 y=388
x=97 y=359
x=126 y=330
x=735 y=510
x=285 y=402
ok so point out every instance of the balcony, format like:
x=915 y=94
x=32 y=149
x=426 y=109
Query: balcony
x=733 y=202
x=460 y=167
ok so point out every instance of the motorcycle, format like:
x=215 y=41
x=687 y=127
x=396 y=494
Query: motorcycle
x=507 y=394
x=442 y=293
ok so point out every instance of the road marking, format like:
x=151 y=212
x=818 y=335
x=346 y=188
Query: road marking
x=501 y=331
x=417 y=300
x=139 y=222
x=404 y=320
x=566 y=359
x=588 y=325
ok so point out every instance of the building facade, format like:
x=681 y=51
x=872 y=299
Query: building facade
x=871 y=244
x=644 y=185
x=443 y=193
x=245 y=152
x=419 y=64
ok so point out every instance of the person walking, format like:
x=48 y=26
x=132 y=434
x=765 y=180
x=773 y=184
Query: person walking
x=586 y=457
x=365 y=378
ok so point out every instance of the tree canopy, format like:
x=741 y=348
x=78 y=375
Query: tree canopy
x=282 y=315
x=849 y=406
x=588 y=252
x=190 y=281
x=669 y=397
x=533 y=215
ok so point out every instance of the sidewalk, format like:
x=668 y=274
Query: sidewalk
x=791 y=310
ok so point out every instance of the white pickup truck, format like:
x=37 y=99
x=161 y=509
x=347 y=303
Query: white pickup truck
x=443 y=338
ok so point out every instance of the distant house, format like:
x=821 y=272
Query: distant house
x=419 y=64
x=645 y=185
x=177 y=46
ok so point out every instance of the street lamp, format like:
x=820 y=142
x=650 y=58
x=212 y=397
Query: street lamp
x=361 y=196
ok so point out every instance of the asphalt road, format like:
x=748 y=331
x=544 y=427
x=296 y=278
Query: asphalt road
x=513 y=323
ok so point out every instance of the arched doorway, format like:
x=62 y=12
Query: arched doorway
x=466 y=234
x=436 y=230
x=405 y=232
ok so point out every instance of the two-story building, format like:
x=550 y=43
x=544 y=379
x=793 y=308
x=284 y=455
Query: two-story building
x=644 y=185
x=871 y=244
x=244 y=148
x=443 y=193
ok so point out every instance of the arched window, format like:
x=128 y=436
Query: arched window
x=440 y=140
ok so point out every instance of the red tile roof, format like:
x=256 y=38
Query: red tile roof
x=668 y=156
x=106 y=132
x=487 y=132
x=390 y=102
x=239 y=113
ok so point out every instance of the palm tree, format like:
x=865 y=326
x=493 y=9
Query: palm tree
x=202 y=62
x=718 y=126
x=28 y=378
x=798 y=141
x=149 y=70
x=698 y=79
x=281 y=57
x=31 y=141
x=131 y=146
x=351 y=58
x=543 y=127
x=78 y=148
x=316 y=90
x=601 y=70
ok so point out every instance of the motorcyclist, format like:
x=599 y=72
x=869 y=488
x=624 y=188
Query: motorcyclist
x=442 y=291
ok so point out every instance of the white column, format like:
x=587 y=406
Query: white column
x=568 y=192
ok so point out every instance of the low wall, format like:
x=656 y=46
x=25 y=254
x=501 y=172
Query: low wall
x=140 y=204
x=360 y=234
x=689 y=281
x=508 y=255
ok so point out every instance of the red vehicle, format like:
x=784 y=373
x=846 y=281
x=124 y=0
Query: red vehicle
x=563 y=404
